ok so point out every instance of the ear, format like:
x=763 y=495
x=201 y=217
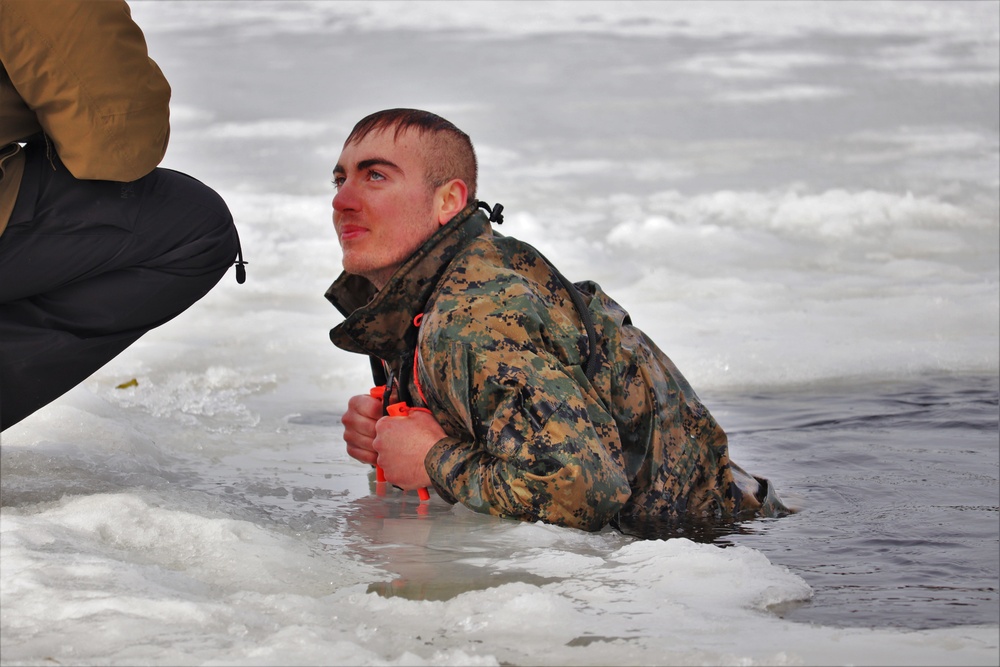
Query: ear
x=450 y=199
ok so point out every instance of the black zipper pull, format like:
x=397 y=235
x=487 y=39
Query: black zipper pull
x=241 y=272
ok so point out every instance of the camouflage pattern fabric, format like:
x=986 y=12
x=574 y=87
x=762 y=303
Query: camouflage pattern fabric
x=501 y=351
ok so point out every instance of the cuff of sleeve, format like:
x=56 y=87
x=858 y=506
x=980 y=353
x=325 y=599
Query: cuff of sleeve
x=433 y=463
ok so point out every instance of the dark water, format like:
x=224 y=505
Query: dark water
x=897 y=491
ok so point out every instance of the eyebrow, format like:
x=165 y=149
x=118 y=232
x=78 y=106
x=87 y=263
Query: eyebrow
x=365 y=164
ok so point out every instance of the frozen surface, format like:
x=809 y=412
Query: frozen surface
x=798 y=201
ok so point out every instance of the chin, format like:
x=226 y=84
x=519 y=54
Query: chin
x=357 y=268
x=353 y=265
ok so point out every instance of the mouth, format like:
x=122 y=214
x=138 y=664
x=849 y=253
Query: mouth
x=349 y=232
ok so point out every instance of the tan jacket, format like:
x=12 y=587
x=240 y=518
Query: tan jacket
x=78 y=70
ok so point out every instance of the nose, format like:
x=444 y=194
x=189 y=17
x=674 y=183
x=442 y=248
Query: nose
x=345 y=199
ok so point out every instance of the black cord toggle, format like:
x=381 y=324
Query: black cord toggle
x=495 y=212
x=241 y=271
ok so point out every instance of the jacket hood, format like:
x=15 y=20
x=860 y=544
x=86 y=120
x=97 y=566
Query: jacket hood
x=404 y=296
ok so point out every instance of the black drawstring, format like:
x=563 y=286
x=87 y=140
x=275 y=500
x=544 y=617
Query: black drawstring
x=495 y=212
x=241 y=272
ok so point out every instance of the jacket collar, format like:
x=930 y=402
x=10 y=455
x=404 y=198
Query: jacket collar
x=380 y=322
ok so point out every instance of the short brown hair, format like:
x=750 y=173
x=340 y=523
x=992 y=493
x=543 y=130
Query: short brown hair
x=450 y=152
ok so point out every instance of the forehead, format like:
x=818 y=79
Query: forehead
x=404 y=149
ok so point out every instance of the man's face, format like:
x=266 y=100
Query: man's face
x=383 y=209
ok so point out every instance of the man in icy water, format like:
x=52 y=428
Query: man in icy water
x=540 y=401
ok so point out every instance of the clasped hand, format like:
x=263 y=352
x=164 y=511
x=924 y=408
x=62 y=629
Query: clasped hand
x=397 y=444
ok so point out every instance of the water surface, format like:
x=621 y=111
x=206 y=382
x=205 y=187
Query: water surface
x=798 y=202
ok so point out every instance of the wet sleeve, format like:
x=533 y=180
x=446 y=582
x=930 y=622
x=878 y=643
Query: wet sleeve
x=83 y=68
x=532 y=451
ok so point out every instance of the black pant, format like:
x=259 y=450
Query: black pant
x=87 y=267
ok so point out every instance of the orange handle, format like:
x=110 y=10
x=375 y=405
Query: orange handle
x=403 y=410
x=378 y=392
x=397 y=410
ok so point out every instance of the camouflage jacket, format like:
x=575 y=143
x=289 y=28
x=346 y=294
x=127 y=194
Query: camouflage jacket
x=500 y=355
